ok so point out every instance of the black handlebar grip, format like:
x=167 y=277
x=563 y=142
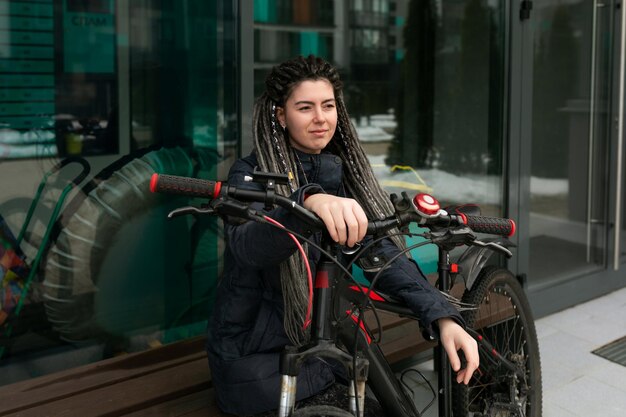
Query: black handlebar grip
x=190 y=187
x=491 y=225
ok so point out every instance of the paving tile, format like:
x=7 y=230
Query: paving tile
x=551 y=409
x=611 y=307
x=575 y=381
x=568 y=351
x=598 y=332
x=588 y=396
x=565 y=317
x=554 y=376
x=544 y=329
x=611 y=374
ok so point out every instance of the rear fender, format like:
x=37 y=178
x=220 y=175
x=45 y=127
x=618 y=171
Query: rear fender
x=474 y=259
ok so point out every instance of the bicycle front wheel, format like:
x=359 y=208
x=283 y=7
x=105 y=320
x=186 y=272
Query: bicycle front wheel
x=502 y=317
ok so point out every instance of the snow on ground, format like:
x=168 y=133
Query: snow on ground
x=473 y=188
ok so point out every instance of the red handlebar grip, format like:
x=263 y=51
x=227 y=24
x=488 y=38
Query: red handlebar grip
x=491 y=225
x=190 y=187
x=153 y=182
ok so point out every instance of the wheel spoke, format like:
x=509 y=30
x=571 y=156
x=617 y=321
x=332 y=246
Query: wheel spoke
x=503 y=318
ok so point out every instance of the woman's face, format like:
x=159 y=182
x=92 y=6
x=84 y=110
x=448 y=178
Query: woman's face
x=310 y=115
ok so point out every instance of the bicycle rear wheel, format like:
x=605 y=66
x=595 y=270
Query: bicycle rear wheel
x=503 y=317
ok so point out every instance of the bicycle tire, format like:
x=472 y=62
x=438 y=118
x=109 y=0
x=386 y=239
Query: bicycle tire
x=322 y=411
x=494 y=391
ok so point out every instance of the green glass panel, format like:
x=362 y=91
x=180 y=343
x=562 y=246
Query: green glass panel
x=310 y=43
x=25 y=9
x=27 y=38
x=89 y=41
x=265 y=11
x=23 y=94
x=19 y=109
x=14 y=51
x=26 y=122
x=9 y=80
x=25 y=23
x=10 y=65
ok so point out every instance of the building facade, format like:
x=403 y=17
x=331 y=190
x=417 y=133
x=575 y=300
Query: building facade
x=514 y=105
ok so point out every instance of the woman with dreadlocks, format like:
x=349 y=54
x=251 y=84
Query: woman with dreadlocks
x=301 y=128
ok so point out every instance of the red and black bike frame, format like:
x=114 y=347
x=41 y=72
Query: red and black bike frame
x=336 y=298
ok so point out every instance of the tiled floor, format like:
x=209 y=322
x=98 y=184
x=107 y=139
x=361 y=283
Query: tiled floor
x=576 y=382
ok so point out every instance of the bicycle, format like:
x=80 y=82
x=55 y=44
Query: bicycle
x=31 y=269
x=508 y=382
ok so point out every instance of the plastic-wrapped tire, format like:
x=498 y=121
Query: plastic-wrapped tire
x=87 y=229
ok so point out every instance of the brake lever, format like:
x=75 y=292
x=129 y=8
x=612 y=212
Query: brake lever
x=493 y=245
x=183 y=211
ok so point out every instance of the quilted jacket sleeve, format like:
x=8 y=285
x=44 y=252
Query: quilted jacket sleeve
x=404 y=280
x=258 y=245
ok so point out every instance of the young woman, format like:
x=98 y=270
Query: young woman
x=302 y=128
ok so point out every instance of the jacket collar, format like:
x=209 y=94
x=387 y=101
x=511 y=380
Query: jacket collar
x=324 y=169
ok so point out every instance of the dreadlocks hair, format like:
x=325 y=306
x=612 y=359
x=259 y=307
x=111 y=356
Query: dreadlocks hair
x=274 y=154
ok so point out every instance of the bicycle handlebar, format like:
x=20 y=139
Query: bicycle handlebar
x=195 y=187
x=422 y=209
x=190 y=187
x=491 y=225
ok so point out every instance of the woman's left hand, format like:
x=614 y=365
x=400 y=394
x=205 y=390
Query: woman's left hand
x=453 y=339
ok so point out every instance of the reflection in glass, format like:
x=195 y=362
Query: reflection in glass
x=54 y=62
x=158 y=94
x=570 y=138
x=450 y=99
x=424 y=84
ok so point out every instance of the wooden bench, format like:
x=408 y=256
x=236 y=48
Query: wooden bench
x=172 y=380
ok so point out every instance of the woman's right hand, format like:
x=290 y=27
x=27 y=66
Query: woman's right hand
x=344 y=217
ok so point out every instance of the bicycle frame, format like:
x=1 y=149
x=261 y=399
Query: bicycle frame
x=324 y=334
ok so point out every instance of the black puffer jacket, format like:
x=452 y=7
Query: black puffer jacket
x=245 y=331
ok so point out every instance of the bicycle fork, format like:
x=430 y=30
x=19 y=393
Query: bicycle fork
x=323 y=335
x=356 y=393
x=288 y=387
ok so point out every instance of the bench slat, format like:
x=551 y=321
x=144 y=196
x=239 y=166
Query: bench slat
x=130 y=395
x=109 y=372
x=201 y=403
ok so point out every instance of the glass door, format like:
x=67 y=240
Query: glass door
x=571 y=110
x=620 y=81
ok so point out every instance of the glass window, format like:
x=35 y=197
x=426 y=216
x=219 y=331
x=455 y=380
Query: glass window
x=426 y=93
x=289 y=12
x=105 y=93
x=273 y=46
x=570 y=145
